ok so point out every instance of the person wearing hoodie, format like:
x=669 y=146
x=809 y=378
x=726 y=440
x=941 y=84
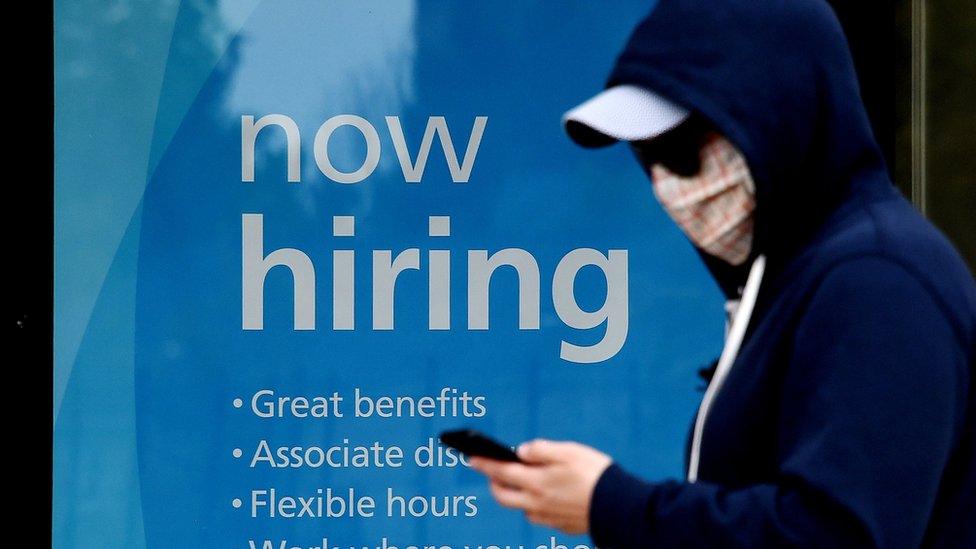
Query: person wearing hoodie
x=841 y=410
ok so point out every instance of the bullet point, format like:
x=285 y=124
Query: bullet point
x=237 y=452
x=237 y=503
x=238 y=403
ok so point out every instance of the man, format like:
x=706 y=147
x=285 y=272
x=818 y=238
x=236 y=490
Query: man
x=841 y=412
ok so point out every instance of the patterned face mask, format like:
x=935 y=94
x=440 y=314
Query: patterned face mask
x=713 y=207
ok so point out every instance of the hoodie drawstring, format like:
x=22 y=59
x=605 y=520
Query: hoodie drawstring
x=736 y=333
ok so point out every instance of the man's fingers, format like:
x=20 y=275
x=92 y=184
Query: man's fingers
x=510 y=497
x=514 y=475
x=543 y=451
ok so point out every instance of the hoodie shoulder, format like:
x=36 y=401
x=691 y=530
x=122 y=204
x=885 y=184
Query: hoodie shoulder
x=888 y=226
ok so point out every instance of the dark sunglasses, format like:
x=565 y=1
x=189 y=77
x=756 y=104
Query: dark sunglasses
x=678 y=150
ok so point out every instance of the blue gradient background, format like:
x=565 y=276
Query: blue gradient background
x=149 y=350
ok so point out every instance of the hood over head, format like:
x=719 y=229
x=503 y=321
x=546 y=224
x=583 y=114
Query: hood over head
x=777 y=79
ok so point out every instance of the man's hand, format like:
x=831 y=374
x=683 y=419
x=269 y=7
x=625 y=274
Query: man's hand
x=553 y=487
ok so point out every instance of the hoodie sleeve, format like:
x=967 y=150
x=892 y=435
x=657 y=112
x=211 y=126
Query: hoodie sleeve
x=871 y=407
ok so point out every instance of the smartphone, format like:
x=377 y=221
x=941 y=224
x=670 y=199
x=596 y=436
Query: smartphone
x=472 y=443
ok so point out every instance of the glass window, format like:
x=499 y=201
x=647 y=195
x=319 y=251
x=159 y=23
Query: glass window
x=943 y=111
x=916 y=67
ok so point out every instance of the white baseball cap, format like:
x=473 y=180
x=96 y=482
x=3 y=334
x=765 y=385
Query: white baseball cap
x=622 y=113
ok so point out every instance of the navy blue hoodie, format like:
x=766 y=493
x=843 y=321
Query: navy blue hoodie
x=847 y=418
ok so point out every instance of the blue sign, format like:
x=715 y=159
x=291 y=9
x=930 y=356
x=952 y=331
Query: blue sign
x=297 y=240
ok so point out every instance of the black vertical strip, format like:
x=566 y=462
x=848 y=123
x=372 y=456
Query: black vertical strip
x=28 y=286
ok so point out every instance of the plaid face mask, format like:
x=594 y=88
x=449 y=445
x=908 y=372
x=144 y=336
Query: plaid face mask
x=713 y=207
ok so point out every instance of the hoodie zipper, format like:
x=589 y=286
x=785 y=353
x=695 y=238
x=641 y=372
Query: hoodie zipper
x=733 y=342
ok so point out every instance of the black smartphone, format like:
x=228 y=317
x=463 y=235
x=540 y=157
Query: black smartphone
x=472 y=443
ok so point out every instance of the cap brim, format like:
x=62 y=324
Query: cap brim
x=622 y=113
